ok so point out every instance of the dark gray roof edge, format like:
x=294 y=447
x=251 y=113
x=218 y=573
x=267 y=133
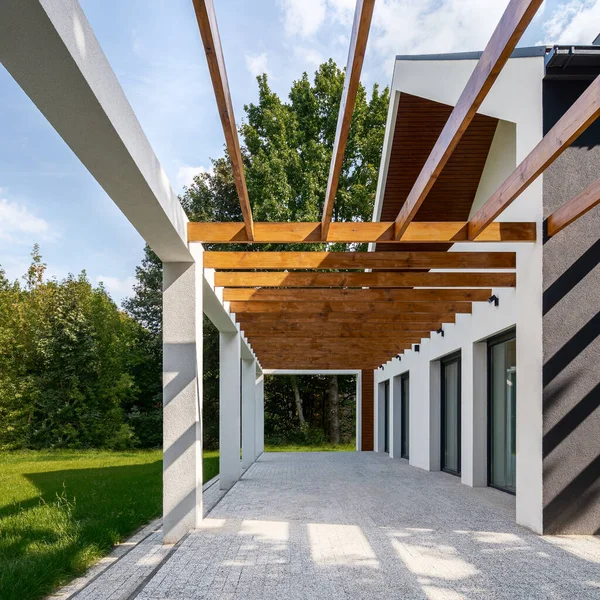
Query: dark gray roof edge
x=517 y=53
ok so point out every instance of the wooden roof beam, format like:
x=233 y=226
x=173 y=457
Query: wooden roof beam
x=360 y=260
x=571 y=125
x=207 y=22
x=342 y=307
x=359 y=280
x=389 y=319
x=354 y=294
x=358 y=44
x=363 y=232
x=514 y=21
x=573 y=209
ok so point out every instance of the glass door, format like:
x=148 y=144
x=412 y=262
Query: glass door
x=404 y=414
x=386 y=416
x=451 y=414
x=502 y=442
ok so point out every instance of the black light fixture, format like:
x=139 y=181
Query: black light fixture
x=417 y=347
x=380 y=367
x=398 y=357
x=440 y=331
x=493 y=299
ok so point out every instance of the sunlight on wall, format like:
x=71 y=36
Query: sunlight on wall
x=340 y=545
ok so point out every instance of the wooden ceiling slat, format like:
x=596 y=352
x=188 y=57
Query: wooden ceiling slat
x=364 y=232
x=387 y=318
x=375 y=279
x=515 y=20
x=360 y=260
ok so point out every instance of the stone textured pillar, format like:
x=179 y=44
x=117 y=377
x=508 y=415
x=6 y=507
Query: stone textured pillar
x=248 y=412
x=182 y=398
x=229 y=409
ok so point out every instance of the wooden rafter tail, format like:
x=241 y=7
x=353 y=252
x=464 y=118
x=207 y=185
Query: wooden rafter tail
x=356 y=55
x=574 y=208
x=570 y=126
x=419 y=232
x=207 y=22
x=513 y=23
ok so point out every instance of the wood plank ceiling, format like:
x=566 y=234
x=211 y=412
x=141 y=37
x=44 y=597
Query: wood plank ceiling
x=419 y=123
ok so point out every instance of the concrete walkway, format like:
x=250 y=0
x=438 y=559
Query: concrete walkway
x=362 y=526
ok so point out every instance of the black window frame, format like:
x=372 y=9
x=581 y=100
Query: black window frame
x=404 y=411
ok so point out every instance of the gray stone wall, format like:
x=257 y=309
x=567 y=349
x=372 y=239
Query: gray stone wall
x=571 y=334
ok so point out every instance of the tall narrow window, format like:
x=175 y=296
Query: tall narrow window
x=386 y=416
x=404 y=414
x=502 y=413
x=451 y=400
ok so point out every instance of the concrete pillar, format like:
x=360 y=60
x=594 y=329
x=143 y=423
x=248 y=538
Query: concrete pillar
x=474 y=414
x=359 y=411
x=182 y=398
x=259 y=442
x=380 y=416
x=229 y=408
x=248 y=412
x=395 y=417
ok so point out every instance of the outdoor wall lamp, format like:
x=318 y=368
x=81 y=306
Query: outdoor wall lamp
x=398 y=357
x=380 y=367
x=440 y=331
x=493 y=299
x=417 y=347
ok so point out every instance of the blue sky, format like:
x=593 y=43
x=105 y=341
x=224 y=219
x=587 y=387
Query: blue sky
x=47 y=196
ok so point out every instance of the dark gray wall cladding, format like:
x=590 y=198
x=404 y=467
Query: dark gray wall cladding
x=571 y=339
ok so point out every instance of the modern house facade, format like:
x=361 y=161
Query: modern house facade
x=509 y=395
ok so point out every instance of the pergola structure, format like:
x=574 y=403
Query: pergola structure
x=299 y=310
x=307 y=311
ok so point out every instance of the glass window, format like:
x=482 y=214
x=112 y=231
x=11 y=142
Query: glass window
x=451 y=399
x=502 y=412
x=404 y=414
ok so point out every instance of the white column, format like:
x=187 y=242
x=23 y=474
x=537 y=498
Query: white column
x=359 y=411
x=248 y=412
x=259 y=441
x=229 y=409
x=182 y=398
x=474 y=414
x=395 y=417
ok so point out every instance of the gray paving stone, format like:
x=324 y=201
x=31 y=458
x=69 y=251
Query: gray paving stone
x=344 y=525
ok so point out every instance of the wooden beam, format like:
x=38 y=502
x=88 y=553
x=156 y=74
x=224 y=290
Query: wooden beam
x=346 y=335
x=514 y=21
x=356 y=55
x=310 y=233
x=574 y=208
x=357 y=295
x=360 y=260
x=354 y=318
x=376 y=279
x=337 y=329
x=571 y=125
x=207 y=22
x=355 y=307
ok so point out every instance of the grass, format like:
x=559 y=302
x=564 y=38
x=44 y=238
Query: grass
x=350 y=447
x=61 y=511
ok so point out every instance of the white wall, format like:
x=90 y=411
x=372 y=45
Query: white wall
x=515 y=99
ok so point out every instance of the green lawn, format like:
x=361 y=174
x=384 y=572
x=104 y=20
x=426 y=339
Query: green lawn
x=319 y=448
x=61 y=511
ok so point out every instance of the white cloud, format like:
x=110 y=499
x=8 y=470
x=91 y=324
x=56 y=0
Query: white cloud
x=257 y=64
x=186 y=174
x=117 y=287
x=309 y=56
x=573 y=22
x=19 y=224
x=303 y=17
